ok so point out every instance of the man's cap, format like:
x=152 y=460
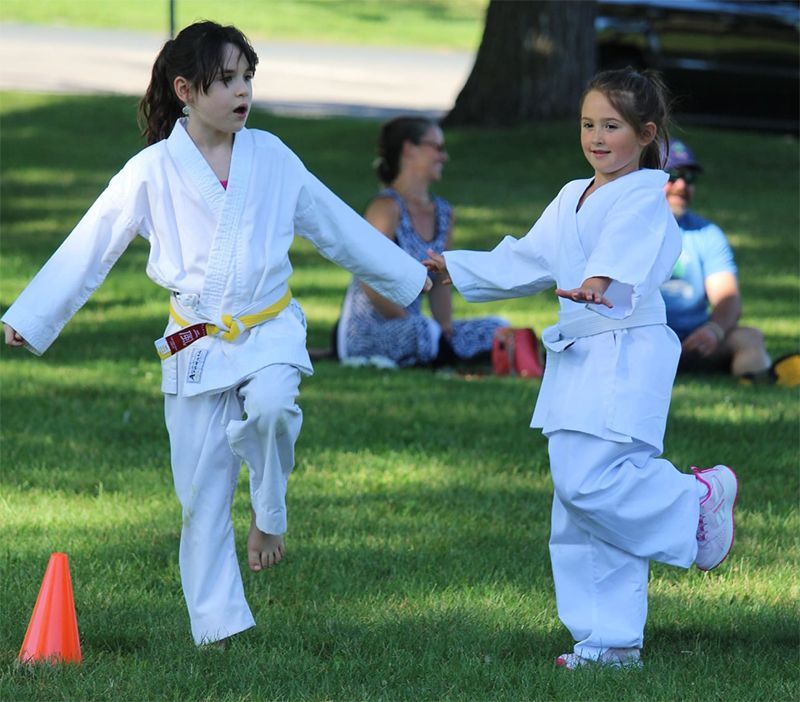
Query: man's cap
x=681 y=156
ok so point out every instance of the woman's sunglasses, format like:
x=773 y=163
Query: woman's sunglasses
x=689 y=176
x=434 y=145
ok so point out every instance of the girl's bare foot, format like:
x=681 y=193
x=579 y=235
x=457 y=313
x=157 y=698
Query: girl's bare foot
x=219 y=645
x=263 y=550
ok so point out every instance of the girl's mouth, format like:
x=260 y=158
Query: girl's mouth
x=241 y=110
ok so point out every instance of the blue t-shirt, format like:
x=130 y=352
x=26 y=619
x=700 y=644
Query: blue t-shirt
x=705 y=251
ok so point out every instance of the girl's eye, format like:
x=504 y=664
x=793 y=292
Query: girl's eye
x=587 y=125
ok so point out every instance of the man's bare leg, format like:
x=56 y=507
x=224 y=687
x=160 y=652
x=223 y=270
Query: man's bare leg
x=750 y=356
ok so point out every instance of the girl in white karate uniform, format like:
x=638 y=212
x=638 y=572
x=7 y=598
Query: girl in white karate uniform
x=219 y=205
x=607 y=243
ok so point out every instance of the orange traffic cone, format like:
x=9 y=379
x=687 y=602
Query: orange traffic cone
x=52 y=634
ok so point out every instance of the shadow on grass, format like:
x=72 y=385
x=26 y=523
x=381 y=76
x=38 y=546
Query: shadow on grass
x=738 y=623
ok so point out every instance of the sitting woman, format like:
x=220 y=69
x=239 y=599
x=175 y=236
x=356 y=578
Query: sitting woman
x=411 y=155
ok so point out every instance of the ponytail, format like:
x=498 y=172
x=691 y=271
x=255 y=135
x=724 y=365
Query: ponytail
x=160 y=108
x=198 y=55
x=393 y=135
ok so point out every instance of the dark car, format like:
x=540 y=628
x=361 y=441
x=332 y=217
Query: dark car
x=727 y=63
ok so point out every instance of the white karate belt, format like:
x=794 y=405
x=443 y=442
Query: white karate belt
x=582 y=322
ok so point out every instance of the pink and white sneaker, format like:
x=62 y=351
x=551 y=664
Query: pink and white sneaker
x=715 y=527
x=610 y=658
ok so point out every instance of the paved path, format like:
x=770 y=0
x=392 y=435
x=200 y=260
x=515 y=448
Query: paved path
x=291 y=78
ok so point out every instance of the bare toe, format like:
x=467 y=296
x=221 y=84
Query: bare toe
x=219 y=645
x=253 y=560
x=263 y=550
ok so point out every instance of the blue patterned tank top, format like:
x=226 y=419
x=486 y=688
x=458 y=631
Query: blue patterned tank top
x=409 y=239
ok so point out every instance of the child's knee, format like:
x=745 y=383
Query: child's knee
x=579 y=480
x=743 y=339
x=274 y=414
x=571 y=487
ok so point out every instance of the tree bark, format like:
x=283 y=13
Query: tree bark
x=533 y=63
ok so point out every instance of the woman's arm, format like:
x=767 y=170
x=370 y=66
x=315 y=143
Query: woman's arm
x=383 y=213
x=441 y=295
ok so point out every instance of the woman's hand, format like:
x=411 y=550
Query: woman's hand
x=12 y=338
x=435 y=263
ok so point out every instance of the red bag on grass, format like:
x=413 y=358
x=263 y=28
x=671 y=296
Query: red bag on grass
x=516 y=352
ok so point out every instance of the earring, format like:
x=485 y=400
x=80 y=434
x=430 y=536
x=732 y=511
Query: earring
x=186 y=110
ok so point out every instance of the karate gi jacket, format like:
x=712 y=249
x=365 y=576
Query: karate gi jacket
x=221 y=250
x=609 y=372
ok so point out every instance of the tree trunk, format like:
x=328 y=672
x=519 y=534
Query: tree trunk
x=534 y=61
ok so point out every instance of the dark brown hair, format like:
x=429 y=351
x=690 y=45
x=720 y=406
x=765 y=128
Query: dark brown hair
x=197 y=54
x=394 y=134
x=640 y=97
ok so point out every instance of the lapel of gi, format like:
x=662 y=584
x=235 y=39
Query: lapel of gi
x=196 y=169
x=225 y=208
x=573 y=255
x=229 y=248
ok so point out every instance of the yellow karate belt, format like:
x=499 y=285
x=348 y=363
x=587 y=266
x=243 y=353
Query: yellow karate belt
x=167 y=346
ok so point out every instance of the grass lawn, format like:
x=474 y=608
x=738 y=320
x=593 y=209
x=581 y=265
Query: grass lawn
x=435 y=24
x=419 y=509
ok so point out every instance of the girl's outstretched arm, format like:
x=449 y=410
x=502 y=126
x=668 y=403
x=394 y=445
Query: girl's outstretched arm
x=12 y=338
x=435 y=263
x=591 y=290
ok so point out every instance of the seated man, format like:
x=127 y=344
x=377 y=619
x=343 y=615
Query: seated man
x=702 y=298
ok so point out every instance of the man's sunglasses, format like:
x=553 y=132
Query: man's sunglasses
x=689 y=176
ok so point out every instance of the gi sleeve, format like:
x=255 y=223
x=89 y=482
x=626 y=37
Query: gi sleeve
x=77 y=268
x=514 y=268
x=344 y=237
x=638 y=246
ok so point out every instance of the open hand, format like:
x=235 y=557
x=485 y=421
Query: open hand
x=435 y=263
x=584 y=294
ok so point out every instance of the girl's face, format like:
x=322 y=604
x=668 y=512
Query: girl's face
x=223 y=109
x=428 y=157
x=610 y=144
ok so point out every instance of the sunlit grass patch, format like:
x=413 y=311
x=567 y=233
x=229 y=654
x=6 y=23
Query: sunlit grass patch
x=433 y=24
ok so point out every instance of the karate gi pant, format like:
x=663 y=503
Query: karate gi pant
x=616 y=507
x=210 y=435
